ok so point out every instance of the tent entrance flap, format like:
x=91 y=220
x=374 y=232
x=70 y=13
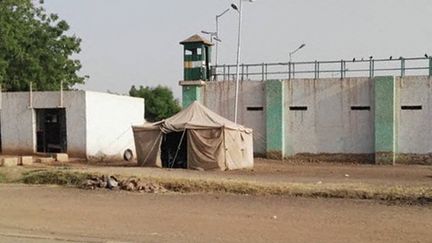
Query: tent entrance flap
x=174 y=150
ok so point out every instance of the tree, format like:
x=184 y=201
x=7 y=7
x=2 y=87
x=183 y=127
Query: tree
x=159 y=102
x=34 y=47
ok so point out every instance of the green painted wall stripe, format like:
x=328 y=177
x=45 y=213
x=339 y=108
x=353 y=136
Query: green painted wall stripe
x=385 y=119
x=274 y=119
x=190 y=94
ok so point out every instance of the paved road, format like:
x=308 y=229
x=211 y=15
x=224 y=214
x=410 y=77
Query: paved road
x=54 y=214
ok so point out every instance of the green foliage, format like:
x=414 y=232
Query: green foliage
x=34 y=48
x=159 y=102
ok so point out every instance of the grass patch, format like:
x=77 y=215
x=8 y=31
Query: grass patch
x=10 y=175
x=54 y=177
x=71 y=177
x=3 y=178
x=404 y=194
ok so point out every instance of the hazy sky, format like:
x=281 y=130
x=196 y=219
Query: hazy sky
x=129 y=42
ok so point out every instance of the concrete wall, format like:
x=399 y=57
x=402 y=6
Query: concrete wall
x=18 y=120
x=328 y=116
x=109 y=121
x=334 y=117
x=219 y=97
x=329 y=125
x=414 y=130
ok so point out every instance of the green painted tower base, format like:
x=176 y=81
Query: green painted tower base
x=191 y=91
x=274 y=119
x=385 y=96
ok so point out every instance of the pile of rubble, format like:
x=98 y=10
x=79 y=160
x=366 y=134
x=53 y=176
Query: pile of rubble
x=131 y=184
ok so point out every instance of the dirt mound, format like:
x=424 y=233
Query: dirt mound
x=130 y=184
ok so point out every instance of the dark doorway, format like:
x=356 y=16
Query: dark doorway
x=174 y=150
x=51 y=130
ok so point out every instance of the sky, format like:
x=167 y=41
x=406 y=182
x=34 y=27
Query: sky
x=136 y=42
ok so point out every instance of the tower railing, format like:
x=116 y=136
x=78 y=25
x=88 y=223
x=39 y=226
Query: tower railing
x=326 y=69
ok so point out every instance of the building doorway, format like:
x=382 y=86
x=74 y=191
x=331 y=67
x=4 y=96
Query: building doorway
x=51 y=130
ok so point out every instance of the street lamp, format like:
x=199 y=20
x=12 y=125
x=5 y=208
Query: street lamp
x=239 y=10
x=215 y=35
x=296 y=50
x=217 y=32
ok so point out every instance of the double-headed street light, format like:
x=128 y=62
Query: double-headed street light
x=239 y=10
x=215 y=35
x=217 y=32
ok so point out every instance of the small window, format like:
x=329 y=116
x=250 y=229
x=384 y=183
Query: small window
x=199 y=51
x=411 y=107
x=188 y=53
x=298 y=108
x=360 y=108
x=255 y=108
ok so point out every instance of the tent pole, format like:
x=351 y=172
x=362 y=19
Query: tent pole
x=145 y=160
x=178 y=148
x=225 y=148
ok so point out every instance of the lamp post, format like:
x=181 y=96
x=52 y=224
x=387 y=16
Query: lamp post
x=213 y=35
x=296 y=50
x=217 y=33
x=239 y=10
x=291 y=66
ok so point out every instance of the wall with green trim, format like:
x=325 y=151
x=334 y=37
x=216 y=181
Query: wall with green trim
x=190 y=94
x=350 y=119
x=385 y=119
x=274 y=91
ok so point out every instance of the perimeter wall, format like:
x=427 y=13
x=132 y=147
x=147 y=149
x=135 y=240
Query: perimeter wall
x=385 y=120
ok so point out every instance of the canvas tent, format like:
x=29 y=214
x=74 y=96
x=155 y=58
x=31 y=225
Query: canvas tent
x=194 y=138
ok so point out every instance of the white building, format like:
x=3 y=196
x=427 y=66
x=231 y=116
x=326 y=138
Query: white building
x=82 y=124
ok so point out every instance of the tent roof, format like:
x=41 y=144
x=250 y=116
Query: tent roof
x=195 y=116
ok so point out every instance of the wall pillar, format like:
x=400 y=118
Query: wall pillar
x=385 y=120
x=274 y=119
x=191 y=91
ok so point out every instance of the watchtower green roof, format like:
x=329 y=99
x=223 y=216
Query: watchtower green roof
x=196 y=39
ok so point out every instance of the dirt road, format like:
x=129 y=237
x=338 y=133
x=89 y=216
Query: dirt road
x=54 y=214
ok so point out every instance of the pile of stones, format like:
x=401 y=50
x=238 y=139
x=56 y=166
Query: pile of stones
x=131 y=184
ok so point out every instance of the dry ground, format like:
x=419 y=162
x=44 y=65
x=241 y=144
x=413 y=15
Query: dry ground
x=55 y=214
x=402 y=183
x=280 y=172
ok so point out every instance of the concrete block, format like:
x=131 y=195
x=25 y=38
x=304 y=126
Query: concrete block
x=9 y=162
x=26 y=160
x=45 y=160
x=62 y=157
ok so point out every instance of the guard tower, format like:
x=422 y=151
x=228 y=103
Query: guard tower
x=197 y=61
x=197 y=55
